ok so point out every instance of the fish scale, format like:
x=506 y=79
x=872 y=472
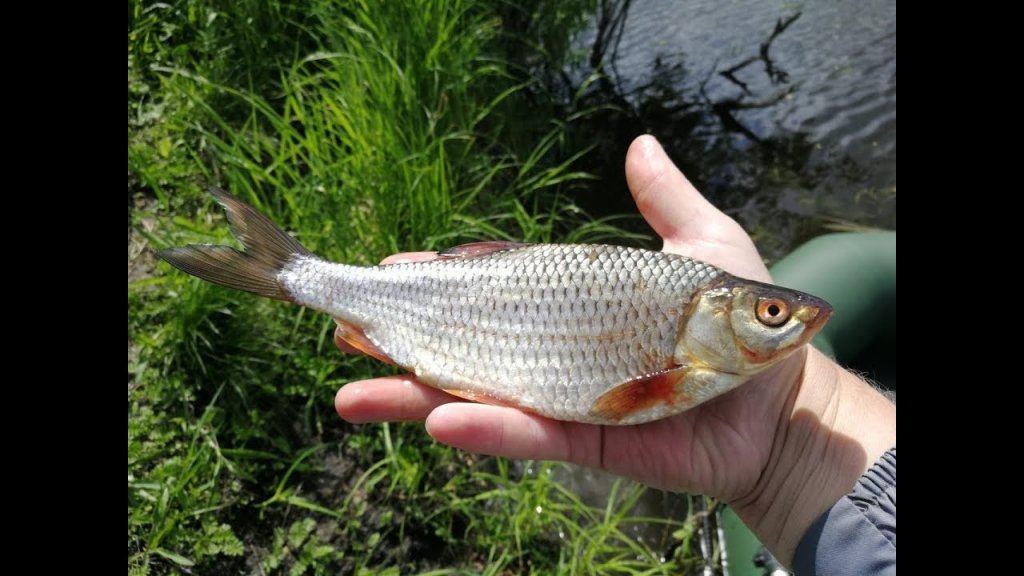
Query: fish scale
x=590 y=304
x=585 y=333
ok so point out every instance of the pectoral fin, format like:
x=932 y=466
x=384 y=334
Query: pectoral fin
x=640 y=394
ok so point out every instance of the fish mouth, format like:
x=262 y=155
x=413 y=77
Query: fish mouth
x=813 y=312
x=814 y=316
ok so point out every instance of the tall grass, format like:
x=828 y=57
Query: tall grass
x=364 y=129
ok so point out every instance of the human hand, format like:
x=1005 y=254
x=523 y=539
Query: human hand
x=736 y=447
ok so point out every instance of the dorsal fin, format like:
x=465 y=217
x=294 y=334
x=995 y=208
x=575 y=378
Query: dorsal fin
x=475 y=249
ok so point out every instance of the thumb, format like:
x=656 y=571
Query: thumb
x=687 y=223
x=667 y=200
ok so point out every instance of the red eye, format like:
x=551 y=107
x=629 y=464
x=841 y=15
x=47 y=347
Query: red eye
x=772 y=311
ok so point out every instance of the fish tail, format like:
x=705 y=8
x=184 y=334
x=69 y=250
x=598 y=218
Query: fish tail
x=268 y=250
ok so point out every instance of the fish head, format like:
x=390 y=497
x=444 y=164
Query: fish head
x=741 y=327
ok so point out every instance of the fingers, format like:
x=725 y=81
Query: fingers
x=392 y=398
x=478 y=428
x=501 y=431
x=474 y=427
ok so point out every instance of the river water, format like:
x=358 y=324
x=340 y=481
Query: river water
x=793 y=145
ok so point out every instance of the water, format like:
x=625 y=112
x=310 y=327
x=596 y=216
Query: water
x=795 y=150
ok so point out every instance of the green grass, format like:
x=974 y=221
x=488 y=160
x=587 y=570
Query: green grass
x=364 y=129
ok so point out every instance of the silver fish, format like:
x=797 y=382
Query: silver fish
x=585 y=333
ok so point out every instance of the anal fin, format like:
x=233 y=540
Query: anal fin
x=355 y=337
x=640 y=394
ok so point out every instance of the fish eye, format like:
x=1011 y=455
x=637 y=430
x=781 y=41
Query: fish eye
x=772 y=311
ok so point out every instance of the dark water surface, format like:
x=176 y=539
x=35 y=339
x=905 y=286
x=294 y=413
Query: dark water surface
x=793 y=146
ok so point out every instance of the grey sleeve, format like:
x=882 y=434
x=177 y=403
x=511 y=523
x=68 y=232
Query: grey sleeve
x=858 y=534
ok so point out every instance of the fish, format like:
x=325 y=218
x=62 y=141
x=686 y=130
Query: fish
x=600 y=334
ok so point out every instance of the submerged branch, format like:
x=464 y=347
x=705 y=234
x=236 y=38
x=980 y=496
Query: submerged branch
x=774 y=72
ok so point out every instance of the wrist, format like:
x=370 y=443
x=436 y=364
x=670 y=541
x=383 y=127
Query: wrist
x=833 y=427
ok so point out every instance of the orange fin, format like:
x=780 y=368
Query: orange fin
x=474 y=249
x=639 y=394
x=356 y=338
